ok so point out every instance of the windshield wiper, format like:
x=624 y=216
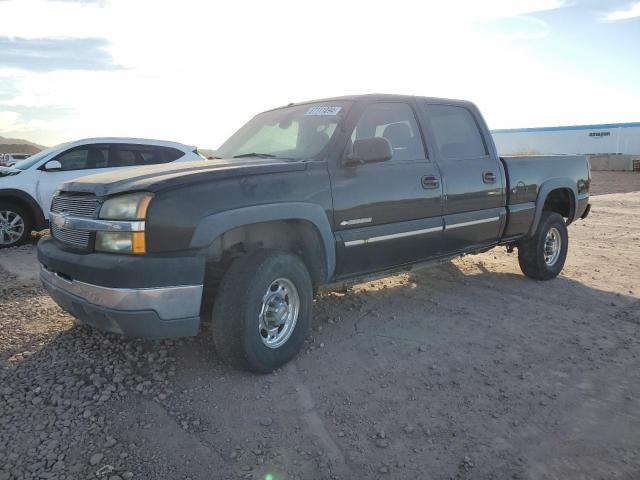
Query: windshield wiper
x=253 y=154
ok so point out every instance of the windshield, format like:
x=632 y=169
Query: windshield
x=293 y=133
x=32 y=160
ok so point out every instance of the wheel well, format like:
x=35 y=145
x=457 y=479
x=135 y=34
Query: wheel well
x=560 y=201
x=36 y=216
x=300 y=237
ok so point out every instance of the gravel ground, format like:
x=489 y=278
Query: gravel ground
x=467 y=370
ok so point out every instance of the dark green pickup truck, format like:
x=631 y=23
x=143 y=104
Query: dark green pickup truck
x=301 y=196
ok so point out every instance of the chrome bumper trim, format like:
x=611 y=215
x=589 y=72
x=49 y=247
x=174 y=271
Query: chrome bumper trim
x=169 y=303
x=74 y=222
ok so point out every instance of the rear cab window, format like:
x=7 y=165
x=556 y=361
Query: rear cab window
x=456 y=132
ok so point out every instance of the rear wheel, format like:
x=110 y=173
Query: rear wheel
x=15 y=225
x=262 y=310
x=542 y=256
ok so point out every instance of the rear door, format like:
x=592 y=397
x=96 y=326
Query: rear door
x=389 y=213
x=474 y=195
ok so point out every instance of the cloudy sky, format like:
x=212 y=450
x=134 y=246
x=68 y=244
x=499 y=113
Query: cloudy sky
x=194 y=71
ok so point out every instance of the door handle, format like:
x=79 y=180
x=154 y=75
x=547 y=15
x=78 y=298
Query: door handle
x=489 y=177
x=430 y=181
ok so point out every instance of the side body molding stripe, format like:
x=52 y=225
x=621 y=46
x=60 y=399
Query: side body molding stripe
x=471 y=223
x=392 y=236
x=422 y=231
x=211 y=227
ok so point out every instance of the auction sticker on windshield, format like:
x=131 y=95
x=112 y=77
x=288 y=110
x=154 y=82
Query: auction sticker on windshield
x=323 y=111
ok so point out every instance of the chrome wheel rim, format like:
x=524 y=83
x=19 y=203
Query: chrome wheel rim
x=552 y=246
x=278 y=313
x=11 y=227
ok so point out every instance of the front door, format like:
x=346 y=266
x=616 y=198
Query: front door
x=473 y=180
x=387 y=214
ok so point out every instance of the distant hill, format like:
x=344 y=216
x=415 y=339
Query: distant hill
x=18 y=145
x=18 y=148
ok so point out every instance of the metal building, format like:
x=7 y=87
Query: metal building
x=609 y=138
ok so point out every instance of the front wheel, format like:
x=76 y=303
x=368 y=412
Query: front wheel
x=262 y=310
x=542 y=256
x=15 y=225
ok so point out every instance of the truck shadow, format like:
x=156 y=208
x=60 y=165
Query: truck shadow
x=429 y=298
x=415 y=308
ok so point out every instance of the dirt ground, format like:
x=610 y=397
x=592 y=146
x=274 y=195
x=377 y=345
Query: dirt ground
x=465 y=371
x=614 y=182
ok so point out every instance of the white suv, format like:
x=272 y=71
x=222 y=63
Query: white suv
x=26 y=189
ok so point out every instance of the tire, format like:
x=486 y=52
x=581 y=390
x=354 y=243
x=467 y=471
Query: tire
x=537 y=257
x=16 y=225
x=252 y=284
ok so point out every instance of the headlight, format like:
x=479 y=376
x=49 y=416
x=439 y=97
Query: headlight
x=132 y=206
x=120 y=242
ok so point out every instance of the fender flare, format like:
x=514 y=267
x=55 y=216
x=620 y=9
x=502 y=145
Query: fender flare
x=543 y=192
x=212 y=226
x=39 y=222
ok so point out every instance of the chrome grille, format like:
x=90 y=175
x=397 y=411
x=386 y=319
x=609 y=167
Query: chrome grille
x=81 y=204
x=73 y=238
x=77 y=204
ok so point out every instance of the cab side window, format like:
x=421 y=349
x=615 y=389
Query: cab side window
x=84 y=158
x=139 y=155
x=395 y=122
x=456 y=132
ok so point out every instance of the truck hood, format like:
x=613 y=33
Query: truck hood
x=155 y=178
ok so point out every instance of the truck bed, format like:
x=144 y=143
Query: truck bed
x=529 y=176
x=526 y=174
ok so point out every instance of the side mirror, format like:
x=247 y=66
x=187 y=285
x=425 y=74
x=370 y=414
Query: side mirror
x=53 y=166
x=370 y=150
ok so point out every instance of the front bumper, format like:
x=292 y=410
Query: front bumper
x=147 y=312
x=140 y=306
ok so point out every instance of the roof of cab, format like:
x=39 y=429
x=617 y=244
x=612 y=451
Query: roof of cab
x=376 y=97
